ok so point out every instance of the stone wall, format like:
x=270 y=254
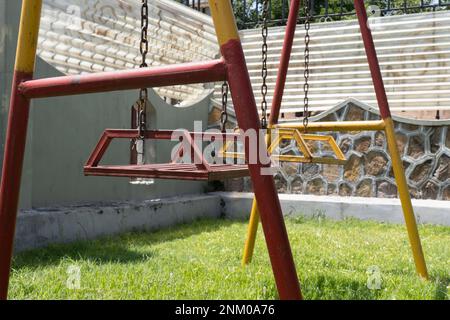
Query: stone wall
x=424 y=145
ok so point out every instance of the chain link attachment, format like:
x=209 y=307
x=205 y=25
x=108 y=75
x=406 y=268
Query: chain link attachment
x=224 y=114
x=264 y=50
x=144 y=33
x=307 y=9
x=143 y=93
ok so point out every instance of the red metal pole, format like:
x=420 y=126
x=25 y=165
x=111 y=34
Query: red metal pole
x=11 y=177
x=284 y=61
x=186 y=73
x=273 y=119
x=277 y=240
x=397 y=164
x=16 y=134
x=264 y=187
x=372 y=59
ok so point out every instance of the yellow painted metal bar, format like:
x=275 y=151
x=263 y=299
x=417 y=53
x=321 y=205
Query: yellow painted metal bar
x=315 y=137
x=302 y=145
x=28 y=36
x=253 y=223
x=252 y=230
x=288 y=133
x=372 y=125
x=408 y=211
x=226 y=30
x=224 y=21
x=337 y=151
x=332 y=143
x=301 y=159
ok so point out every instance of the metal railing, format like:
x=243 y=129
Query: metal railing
x=199 y=5
x=248 y=11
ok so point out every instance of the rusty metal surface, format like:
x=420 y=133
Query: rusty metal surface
x=201 y=171
x=195 y=72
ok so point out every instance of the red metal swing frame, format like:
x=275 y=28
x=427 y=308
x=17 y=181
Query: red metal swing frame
x=232 y=68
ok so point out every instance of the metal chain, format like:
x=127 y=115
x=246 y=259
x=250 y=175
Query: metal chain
x=224 y=114
x=144 y=33
x=264 y=49
x=143 y=94
x=307 y=9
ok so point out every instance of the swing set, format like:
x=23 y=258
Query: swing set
x=231 y=69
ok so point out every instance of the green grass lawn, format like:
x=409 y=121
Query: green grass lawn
x=335 y=260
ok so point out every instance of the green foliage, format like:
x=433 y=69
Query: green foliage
x=202 y=261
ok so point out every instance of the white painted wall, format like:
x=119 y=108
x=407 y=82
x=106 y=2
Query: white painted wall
x=414 y=55
x=64 y=130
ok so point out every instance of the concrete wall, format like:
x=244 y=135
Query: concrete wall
x=237 y=205
x=62 y=224
x=63 y=132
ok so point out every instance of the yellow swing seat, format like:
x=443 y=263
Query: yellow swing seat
x=301 y=140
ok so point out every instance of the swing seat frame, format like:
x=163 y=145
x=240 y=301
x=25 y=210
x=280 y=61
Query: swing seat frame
x=199 y=170
x=302 y=144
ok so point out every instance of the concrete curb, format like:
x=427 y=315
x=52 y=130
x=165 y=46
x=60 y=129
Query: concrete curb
x=41 y=227
x=238 y=205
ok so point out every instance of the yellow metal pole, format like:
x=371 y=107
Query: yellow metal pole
x=408 y=211
x=252 y=229
x=224 y=21
x=251 y=234
x=28 y=36
x=334 y=126
x=313 y=126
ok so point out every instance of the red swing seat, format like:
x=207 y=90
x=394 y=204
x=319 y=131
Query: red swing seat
x=202 y=171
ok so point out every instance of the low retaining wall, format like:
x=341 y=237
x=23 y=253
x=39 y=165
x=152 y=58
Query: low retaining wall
x=237 y=205
x=38 y=228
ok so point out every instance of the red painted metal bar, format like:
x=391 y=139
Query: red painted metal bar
x=166 y=134
x=11 y=176
x=372 y=59
x=397 y=165
x=171 y=171
x=264 y=187
x=186 y=73
x=111 y=134
x=284 y=61
x=16 y=135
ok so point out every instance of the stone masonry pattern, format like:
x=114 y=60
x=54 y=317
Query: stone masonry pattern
x=425 y=151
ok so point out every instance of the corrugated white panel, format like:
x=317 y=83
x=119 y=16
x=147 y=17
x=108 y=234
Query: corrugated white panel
x=86 y=36
x=414 y=55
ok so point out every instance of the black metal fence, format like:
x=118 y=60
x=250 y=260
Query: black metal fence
x=199 y=5
x=248 y=11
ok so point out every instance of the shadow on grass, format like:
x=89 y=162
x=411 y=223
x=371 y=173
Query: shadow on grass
x=91 y=251
x=126 y=248
x=327 y=287
x=442 y=282
x=179 y=232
